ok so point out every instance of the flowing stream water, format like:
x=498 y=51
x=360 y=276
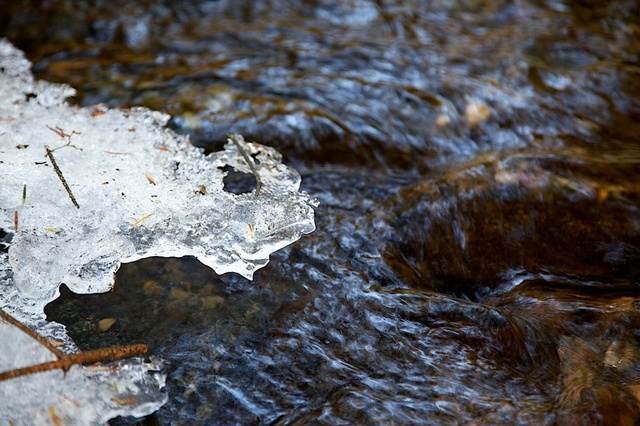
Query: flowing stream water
x=477 y=163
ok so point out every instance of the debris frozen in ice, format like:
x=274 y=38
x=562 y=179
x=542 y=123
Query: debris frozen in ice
x=84 y=189
x=138 y=187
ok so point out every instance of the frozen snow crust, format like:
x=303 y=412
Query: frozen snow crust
x=142 y=191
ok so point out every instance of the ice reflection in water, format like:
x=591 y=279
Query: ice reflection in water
x=478 y=247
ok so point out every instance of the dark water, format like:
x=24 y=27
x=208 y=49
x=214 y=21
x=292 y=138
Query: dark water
x=477 y=258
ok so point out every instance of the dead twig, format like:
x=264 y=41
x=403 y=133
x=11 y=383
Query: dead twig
x=44 y=342
x=80 y=358
x=15 y=213
x=58 y=131
x=236 y=141
x=60 y=176
x=65 y=361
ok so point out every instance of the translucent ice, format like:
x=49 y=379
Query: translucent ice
x=84 y=189
x=81 y=396
x=141 y=189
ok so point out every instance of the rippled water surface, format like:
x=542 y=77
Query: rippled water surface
x=477 y=257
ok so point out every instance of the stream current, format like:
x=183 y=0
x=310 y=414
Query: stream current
x=477 y=164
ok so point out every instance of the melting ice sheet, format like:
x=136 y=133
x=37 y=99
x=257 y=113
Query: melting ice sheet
x=141 y=189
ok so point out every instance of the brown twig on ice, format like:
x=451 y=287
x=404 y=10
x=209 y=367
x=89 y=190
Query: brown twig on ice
x=59 y=173
x=81 y=358
x=236 y=141
x=66 y=361
x=44 y=342
x=58 y=131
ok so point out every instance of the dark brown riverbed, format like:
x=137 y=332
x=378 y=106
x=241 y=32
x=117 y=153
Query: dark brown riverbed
x=477 y=257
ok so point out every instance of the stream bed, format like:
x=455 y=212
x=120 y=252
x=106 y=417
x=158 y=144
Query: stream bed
x=477 y=165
